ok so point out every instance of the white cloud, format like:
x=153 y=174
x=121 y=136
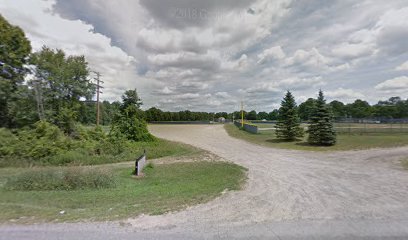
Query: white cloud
x=195 y=85
x=300 y=83
x=309 y=59
x=264 y=87
x=345 y=95
x=187 y=96
x=240 y=64
x=256 y=48
x=76 y=38
x=166 y=90
x=392 y=31
x=185 y=60
x=280 y=86
x=402 y=67
x=349 y=50
x=273 y=53
x=222 y=94
x=398 y=84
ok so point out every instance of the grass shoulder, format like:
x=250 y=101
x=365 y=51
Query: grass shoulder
x=165 y=187
x=404 y=163
x=344 y=141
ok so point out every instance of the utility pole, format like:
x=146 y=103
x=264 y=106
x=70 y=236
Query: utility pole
x=242 y=114
x=39 y=99
x=98 y=91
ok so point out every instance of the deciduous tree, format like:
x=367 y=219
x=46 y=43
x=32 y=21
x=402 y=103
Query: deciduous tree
x=14 y=51
x=62 y=81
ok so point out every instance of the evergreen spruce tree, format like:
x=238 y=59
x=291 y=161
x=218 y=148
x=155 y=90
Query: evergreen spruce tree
x=288 y=125
x=321 y=130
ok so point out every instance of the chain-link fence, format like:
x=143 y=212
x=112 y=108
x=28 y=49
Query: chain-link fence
x=376 y=125
x=355 y=126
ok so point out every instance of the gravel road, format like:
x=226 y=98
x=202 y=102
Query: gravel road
x=289 y=195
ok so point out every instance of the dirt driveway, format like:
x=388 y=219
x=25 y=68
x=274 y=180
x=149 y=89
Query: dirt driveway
x=291 y=185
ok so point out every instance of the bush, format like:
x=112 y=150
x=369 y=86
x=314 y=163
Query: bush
x=7 y=141
x=30 y=145
x=132 y=128
x=45 y=145
x=61 y=179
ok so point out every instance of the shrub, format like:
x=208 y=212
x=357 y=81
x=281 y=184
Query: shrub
x=44 y=140
x=132 y=128
x=66 y=118
x=96 y=134
x=61 y=179
x=7 y=141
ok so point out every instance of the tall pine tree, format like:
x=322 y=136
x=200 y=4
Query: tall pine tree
x=288 y=125
x=321 y=130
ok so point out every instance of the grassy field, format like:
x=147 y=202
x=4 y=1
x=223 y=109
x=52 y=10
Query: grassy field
x=344 y=141
x=165 y=187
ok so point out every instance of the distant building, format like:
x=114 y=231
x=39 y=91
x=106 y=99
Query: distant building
x=221 y=119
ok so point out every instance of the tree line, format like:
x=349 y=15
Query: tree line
x=393 y=108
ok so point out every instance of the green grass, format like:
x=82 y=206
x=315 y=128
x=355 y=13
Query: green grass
x=265 y=125
x=165 y=188
x=344 y=141
x=72 y=178
x=404 y=163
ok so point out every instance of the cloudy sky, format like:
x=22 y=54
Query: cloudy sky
x=209 y=55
